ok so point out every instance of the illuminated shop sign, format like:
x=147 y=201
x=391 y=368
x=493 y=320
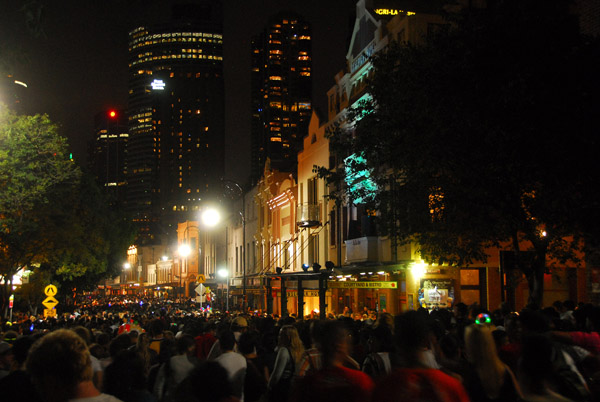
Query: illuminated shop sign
x=158 y=85
x=436 y=293
x=362 y=285
x=390 y=11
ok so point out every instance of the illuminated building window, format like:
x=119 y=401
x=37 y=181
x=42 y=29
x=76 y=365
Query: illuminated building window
x=275 y=78
x=275 y=139
x=305 y=74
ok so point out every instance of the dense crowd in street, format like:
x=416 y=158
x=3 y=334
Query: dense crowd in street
x=144 y=350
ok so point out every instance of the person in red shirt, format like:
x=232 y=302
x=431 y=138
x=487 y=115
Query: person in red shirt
x=333 y=381
x=205 y=340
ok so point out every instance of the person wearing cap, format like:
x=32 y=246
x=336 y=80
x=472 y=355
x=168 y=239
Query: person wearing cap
x=238 y=325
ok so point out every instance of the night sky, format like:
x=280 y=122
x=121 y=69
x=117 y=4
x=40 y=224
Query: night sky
x=79 y=66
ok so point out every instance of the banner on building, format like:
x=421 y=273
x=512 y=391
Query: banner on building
x=436 y=293
x=362 y=285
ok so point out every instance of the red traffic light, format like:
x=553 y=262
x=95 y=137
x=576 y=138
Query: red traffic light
x=112 y=114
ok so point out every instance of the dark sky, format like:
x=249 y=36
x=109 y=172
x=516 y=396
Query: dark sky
x=79 y=67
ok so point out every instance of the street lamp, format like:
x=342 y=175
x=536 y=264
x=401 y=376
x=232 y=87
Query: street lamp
x=184 y=251
x=211 y=217
x=242 y=215
x=224 y=273
x=126 y=267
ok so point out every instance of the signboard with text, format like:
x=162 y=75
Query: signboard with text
x=362 y=285
x=436 y=293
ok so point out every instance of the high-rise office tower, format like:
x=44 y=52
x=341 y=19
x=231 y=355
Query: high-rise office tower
x=281 y=92
x=108 y=153
x=176 y=117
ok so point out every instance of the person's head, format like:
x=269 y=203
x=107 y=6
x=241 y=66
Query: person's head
x=239 y=324
x=227 y=340
x=84 y=333
x=156 y=328
x=334 y=342
x=289 y=338
x=480 y=348
x=385 y=319
x=248 y=342
x=535 y=364
x=208 y=382
x=21 y=348
x=124 y=374
x=380 y=339
x=6 y=355
x=118 y=344
x=10 y=336
x=479 y=343
x=185 y=345
x=57 y=363
x=412 y=336
x=450 y=346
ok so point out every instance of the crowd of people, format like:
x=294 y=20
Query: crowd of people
x=151 y=351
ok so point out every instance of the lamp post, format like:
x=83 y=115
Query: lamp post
x=224 y=273
x=126 y=268
x=184 y=251
x=243 y=216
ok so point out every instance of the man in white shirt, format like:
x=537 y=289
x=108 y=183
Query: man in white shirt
x=233 y=362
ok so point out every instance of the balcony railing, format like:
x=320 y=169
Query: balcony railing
x=308 y=215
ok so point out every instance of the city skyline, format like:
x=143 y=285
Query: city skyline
x=80 y=68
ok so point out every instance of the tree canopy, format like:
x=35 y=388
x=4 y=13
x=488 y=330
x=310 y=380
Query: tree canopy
x=52 y=217
x=486 y=133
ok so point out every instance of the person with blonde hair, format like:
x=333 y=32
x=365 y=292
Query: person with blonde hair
x=488 y=378
x=289 y=355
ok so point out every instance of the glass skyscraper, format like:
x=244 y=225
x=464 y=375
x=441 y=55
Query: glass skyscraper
x=176 y=118
x=281 y=92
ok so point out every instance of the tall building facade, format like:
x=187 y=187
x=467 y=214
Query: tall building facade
x=281 y=92
x=176 y=118
x=108 y=160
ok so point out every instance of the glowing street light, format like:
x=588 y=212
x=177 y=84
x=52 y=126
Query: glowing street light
x=211 y=217
x=184 y=250
x=224 y=273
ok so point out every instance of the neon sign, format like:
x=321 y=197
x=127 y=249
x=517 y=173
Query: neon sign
x=391 y=11
x=158 y=85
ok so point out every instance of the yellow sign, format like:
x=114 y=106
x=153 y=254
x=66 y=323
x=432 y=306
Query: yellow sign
x=49 y=312
x=390 y=11
x=201 y=278
x=362 y=285
x=50 y=302
x=50 y=290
